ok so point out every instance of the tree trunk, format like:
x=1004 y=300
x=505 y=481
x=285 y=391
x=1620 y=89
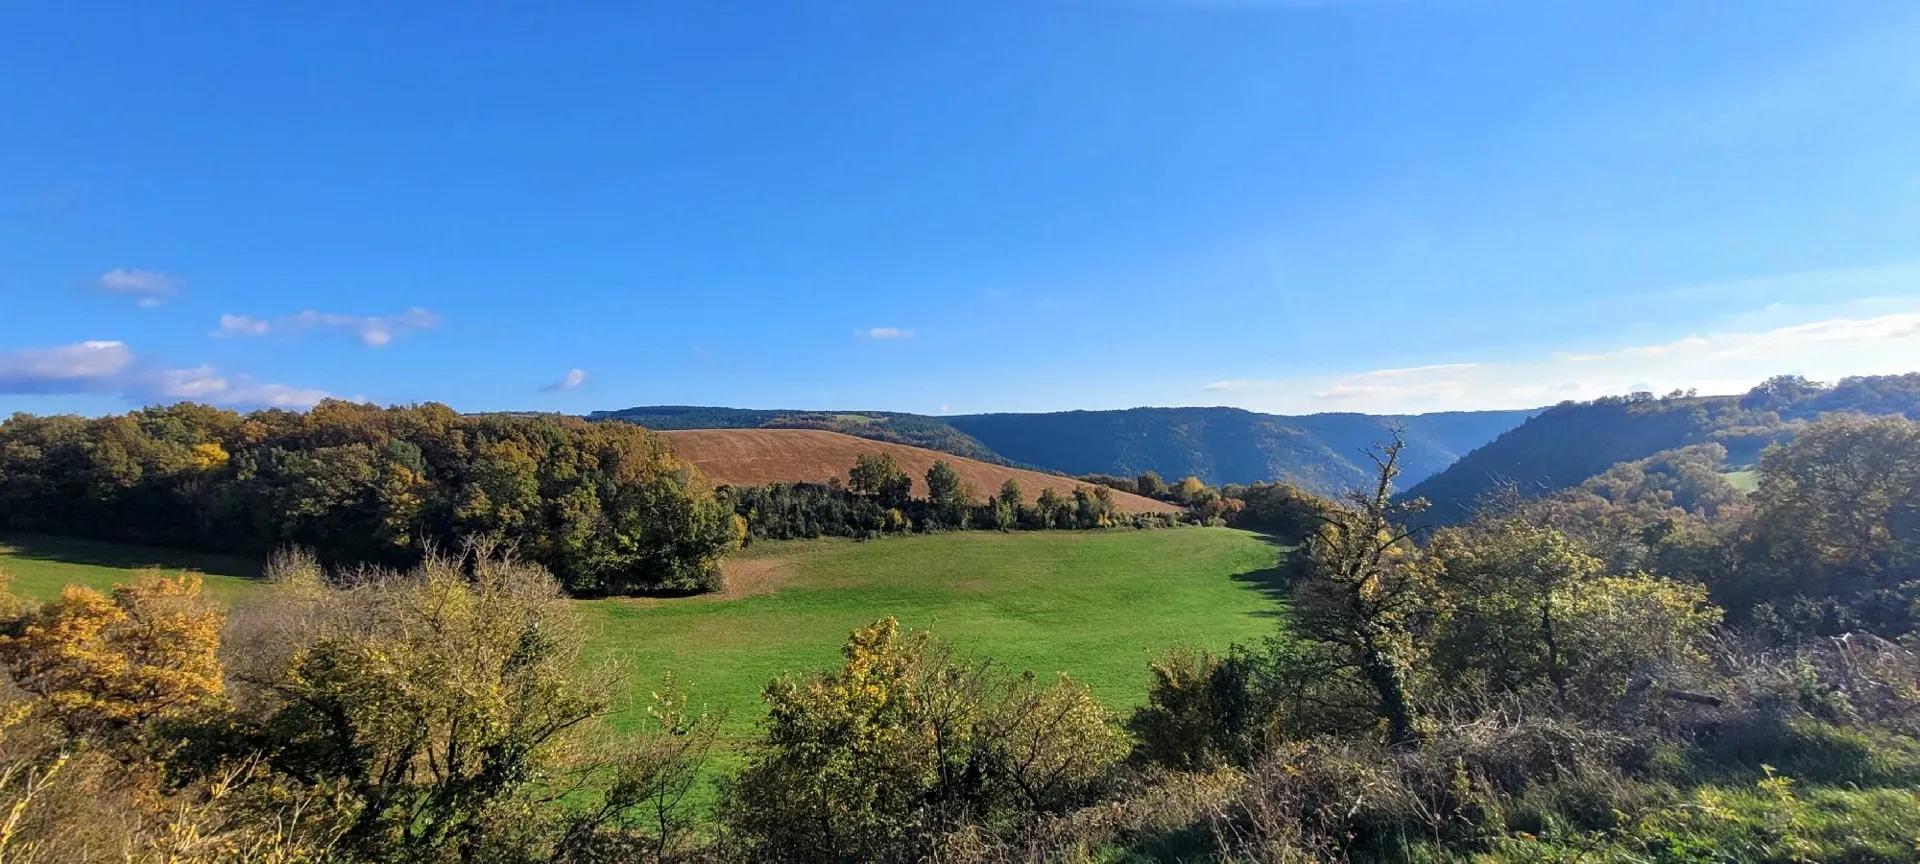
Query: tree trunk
x=1554 y=672
x=1391 y=685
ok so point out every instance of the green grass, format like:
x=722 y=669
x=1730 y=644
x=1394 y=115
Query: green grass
x=1745 y=481
x=1097 y=606
x=42 y=565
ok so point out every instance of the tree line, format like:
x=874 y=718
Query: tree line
x=1273 y=507
x=605 y=507
x=877 y=499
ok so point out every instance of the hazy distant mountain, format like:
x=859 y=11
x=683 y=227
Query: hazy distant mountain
x=1323 y=452
x=1568 y=443
x=917 y=430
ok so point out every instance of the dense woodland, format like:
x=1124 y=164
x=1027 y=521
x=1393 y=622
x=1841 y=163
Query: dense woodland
x=605 y=507
x=1566 y=444
x=1648 y=666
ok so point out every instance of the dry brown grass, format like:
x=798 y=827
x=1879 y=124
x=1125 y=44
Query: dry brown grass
x=755 y=457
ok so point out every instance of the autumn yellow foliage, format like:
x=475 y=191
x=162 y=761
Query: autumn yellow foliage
x=148 y=650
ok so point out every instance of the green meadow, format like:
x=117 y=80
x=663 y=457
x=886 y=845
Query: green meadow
x=1095 y=605
x=41 y=566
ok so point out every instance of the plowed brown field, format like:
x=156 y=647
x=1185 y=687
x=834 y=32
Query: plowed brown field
x=755 y=457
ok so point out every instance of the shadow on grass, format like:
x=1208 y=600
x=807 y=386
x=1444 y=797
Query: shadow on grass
x=98 y=553
x=1275 y=582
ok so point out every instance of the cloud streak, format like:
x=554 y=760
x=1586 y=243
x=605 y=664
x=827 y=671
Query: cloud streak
x=884 y=333
x=112 y=368
x=571 y=381
x=1729 y=362
x=373 y=331
x=149 y=288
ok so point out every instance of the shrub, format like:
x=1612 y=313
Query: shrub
x=905 y=744
x=1201 y=711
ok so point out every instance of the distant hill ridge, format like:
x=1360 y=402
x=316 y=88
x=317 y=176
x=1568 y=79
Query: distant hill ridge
x=1565 y=445
x=1320 y=452
x=915 y=430
x=756 y=457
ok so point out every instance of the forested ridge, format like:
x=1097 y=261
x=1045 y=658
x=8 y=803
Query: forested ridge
x=1323 y=453
x=1318 y=452
x=1570 y=442
x=911 y=429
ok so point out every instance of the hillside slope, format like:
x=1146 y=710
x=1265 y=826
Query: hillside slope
x=1570 y=442
x=755 y=457
x=912 y=429
x=1320 y=452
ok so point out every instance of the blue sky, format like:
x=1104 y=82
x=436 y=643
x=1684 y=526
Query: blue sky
x=952 y=207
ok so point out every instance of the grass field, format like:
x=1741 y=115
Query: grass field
x=41 y=566
x=1746 y=480
x=1096 y=605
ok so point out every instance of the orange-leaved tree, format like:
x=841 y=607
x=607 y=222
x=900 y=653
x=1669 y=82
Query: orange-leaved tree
x=104 y=662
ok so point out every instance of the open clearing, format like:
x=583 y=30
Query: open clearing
x=1096 y=605
x=756 y=457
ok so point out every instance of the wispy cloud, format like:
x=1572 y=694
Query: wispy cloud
x=242 y=325
x=111 y=367
x=149 y=288
x=571 y=381
x=75 y=368
x=884 y=333
x=1725 y=362
x=374 y=331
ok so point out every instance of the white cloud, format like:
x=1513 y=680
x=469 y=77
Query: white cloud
x=203 y=384
x=149 y=288
x=242 y=325
x=574 y=378
x=1727 y=362
x=374 y=331
x=103 y=367
x=885 y=333
x=78 y=368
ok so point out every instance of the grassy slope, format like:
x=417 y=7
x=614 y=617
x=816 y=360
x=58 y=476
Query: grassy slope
x=1095 y=605
x=41 y=565
x=756 y=457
